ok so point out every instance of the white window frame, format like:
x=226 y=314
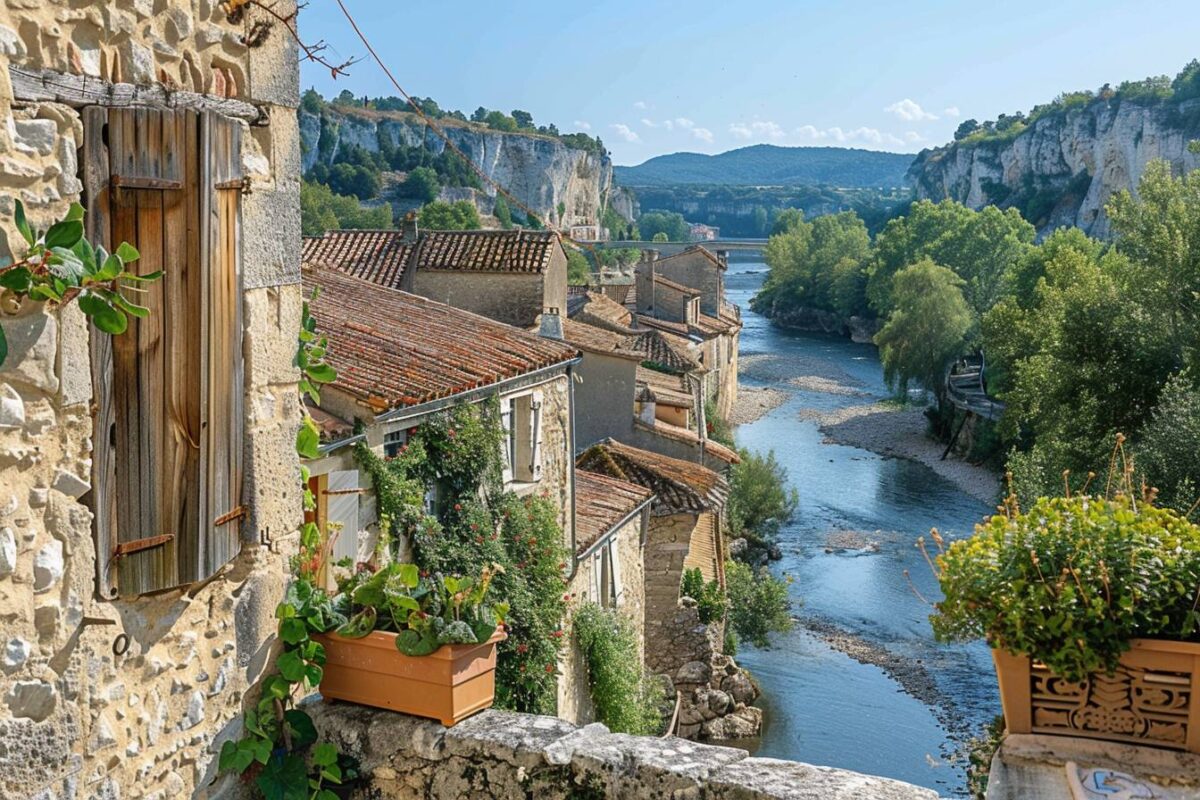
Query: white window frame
x=393 y=440
x=521 y=420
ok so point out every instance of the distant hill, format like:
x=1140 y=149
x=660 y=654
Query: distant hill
x=770 y=165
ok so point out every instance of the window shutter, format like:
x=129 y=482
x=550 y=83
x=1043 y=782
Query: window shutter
x=614 y=560
x=150 y=178
x=535 y=437
x=343 y=510
x=506 y=423
x=597 y=569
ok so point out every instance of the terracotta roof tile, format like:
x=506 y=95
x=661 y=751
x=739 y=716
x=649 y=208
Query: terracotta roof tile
x=394 y=349
x=378 y=256
x=601 y=502
x=680 y=486
x=664 y=388
x=598 y=340
x=487 y=251
x=696 y=249
x=662 y=349
x=599 y=309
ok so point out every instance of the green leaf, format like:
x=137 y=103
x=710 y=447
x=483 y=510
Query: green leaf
x=308 y=439
x=75 y=212
x=325 y=794
x=276 y=687
x=412 y=643
x=410 y=575
x=284 y=778
x=64 y=234
x=322 y=373
x=293 y=630
x=261 y=749
x=87 y=254
x=291 y=666
x=23 y=224
x=127 y=253
x=92 y=303
x=18 y=279
x=304 y=732
x=3 y=346
x=324 y=754
x=360 y=624
x=134 y=310
x=111 y=321
x=149 y=277
x=63 y=263
x=110 y=267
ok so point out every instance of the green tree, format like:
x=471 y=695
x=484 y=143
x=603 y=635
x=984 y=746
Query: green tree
x=818 y=264
x=786 y=220
x=965 y=129
x=442 y=216
x=579 y=271
x=321 y=210
x=499 y=121
x=355 y=180
x=668 y=222
x=502 y=212
x=661 y=237
x=312 y=102
x=760 y=499
x=421 y=184
x=926 y=329
x=523 y=119
x=1166 y=447
x=761 y=220
x=758 y=603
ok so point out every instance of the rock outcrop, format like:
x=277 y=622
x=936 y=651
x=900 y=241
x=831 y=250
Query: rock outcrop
x=1062 y=169
x=541 y=171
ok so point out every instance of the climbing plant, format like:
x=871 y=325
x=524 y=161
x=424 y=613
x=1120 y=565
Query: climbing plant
x=454 y=457
x=625 y=697
x=279 y=749
x=60 y=265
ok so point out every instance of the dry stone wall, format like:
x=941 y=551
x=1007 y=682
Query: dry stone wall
x=132 y=698
x=507 y=756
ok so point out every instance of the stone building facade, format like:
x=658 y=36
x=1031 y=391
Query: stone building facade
x=106 y=690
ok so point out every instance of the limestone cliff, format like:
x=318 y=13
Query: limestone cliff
x=541 y=171
x=1062 y=168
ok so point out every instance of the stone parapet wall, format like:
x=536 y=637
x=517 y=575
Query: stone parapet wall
x=504 y=755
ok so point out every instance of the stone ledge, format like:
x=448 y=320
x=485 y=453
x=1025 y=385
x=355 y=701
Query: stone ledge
x=505 y=755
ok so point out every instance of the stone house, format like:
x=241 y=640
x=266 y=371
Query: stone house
x=144 y=503
x=685 y=294
x=612 y=518
x=510 y=276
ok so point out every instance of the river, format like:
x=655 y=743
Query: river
x=822 y=706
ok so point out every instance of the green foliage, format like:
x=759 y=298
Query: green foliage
x=758 y=603
x=660 y=238
x=710 y=600
x=717 y=426
x=502 y=212
x=421 y=184
x=818 y=264
x=60 y=265
x=476 y=524
x=669 y=223
x=1072 y=581
x=321 y=210
x=460 y=215
x=760 y=500
x=353 y=179
x=579 y=271
x=1168 y=445
x=926 y=329
x=312 y=102
x=627 y=699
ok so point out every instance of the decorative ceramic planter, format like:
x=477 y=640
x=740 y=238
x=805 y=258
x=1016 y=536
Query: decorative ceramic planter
x=1152 y=699
x=449 y=684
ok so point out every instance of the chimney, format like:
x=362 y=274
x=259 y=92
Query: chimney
x=551 y=325
x=408 y=228
x=649 y=255
x=723 y=258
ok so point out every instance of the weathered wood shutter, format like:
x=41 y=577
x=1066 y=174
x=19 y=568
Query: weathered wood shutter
x=343 y=510
x=614 y=560
x=167 y=442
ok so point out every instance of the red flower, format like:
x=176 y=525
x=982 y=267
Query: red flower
x=549 y=668
x=478 y=540
x=474 y=526
x=412 y=431
x=566 y=597
x=562 y=566
x=458 y=506
x=450 y=433
x=557 y=634
x=522 y=668
x=522 y=648
x=532 y=541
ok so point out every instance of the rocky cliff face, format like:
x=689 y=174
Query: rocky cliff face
x=1063 y=168
x=539 y=170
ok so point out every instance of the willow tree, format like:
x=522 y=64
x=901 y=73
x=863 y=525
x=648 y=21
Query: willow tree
x=926 y=329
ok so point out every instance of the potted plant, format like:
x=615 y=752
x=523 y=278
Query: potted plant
x=423 y=645
x=1092 y=608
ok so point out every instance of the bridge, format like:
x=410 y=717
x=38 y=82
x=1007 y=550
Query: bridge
x=671 y=248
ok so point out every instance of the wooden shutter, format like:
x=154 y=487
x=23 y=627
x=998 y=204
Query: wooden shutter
x=527 y=415
x=535 y=437
x=506 y=424
x=614 y=560
x=343 y=510
x=167 y=439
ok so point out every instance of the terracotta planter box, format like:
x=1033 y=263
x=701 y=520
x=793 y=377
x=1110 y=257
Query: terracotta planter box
x=449 y=684
x=1153 y=699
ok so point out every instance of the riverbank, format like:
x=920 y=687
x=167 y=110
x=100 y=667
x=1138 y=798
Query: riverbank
x=900 y=432
x=754 y=402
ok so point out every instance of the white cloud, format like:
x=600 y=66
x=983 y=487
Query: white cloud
x=951 y=111
x=685 y=123
x=909 y=111
x=649 y=123
x=758 y=130
x=703 y=134
x=913 y=136
x=625 y=132
x=583 y=126
x=861 y=135
x=640 y=105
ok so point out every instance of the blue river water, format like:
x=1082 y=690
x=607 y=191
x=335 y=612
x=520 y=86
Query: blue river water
x=821 y=705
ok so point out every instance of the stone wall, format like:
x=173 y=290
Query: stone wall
x=696 y=270
x=667 y=543
x=604 y=399
x=516 y=298
x=510 y=756
x=76 y=719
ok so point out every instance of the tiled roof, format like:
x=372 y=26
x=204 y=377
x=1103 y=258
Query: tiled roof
x=378 y=256
x=394 y=349
x=599 y=309
x=688 y=436
x=677 y=328
x=680 y=486
x=600 y=503
x=713 y=325
x=666 y=283
x=664 y=388
x=662 y=349
x=598 y=340
x=487 y=251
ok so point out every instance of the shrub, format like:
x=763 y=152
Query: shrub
x=625 y=697
x=710 y=600
x=760 y=500
x=758 y=603
x=717 y=426
x=1072 y=581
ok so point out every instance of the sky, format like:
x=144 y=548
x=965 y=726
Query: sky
x=705 y=76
